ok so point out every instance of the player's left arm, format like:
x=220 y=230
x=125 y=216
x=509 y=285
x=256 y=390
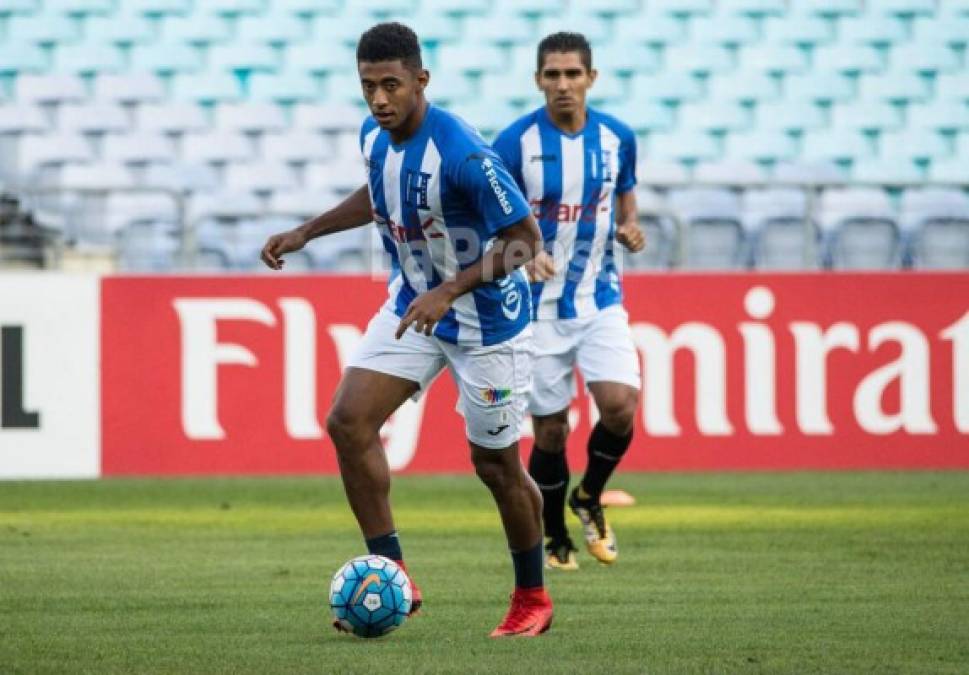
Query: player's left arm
x=513 y=246
x=628 y=231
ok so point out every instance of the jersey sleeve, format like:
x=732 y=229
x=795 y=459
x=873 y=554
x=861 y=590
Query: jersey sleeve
x=509 y=148
x=627 y=162
x=491 y=191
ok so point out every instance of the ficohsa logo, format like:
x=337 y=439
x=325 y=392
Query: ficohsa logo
x=489 y=170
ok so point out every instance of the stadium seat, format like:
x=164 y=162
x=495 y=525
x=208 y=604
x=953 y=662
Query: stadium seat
x=243 y=57
x=698 y=59
x=92 y=118
x=724 y=30
x=946 y=116
x=783 y=236
x=450 y=87
x=283 y=87
x=518 y=90
x=458 y=7
x=849 y=59
x=235 y=8
x=49 y=89
x=125 y=209
x=714 y=116
x=918 y=144
x=894 y=87
x=827 y=7
x=123 y=30
x=12 y=7
x=761 y=145
x=906 y=7
x=216 y=147
x=331 y=30
x=756 y=8
x=249 y=117
x=867 y=116
x=96 y=175
x=790 y=116
x=714 y=231
x=198 y=29
x=343 y=88
x=802 y=31
x=335 y=176
x=79 y=7
x=651 y=29
x=309 y=8
x=886 y=171
x=382 y=8
x=662 y=173
x=38 y=151
x=835 y=145
x=159 y=7
x=809 y=172
x=206 y=88
x=773 y=58
x=480 y=58
x=128 y=88
x=88 y=59
x=950 y=30
x=296 y=147
x=819 y=86
x=503 y=28
x=954 y=87
x=328 y=117
x=312 y=58
x=182 y=177
x=642 y=117
x=595 y=28
x=682 y=7
x=625 y=58
x=21 y=58
x=872 y=29
x=666 y=87
x=938 y=222
x=259 y=176
x=608 y=87
x=138 y=148
x=660 y=230
x=43 y=29
x=488 y=118
x=166 y=58
x=22 y=118
x=436 y=29
x=925 y=58
x=863 y=226
x=743 y=87
x=172 y=118
x=951 y=171
x=304 y=204
x=276 y=29
x=730 y=172
x=532 y=7
x=683 y=146
x=147 y=246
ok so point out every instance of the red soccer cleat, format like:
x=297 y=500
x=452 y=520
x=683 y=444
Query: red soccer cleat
x=416 y=599
x=530 y=614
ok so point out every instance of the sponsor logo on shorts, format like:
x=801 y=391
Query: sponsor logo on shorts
x=495 y=396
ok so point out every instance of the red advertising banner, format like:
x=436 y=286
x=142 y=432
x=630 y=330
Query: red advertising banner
x=234 y=375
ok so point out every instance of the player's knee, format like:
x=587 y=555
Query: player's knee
x=551 y=433
x=493 y=472
x=348 y=429
x=619 y=412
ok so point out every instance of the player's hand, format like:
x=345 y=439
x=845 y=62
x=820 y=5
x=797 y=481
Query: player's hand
x=281 y=244
x=630 y=235
x=541 y=267
x=426 y=310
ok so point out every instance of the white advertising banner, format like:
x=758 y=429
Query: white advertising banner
x=49 y=376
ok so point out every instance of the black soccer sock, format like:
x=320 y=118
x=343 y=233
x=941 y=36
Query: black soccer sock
x=387 y=545
x=551 y=472
x=528 y=567
x=605 y=451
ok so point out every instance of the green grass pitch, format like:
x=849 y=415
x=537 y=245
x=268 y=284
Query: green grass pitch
x=727 y=573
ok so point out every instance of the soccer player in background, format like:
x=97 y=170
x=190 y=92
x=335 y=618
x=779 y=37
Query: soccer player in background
x=457 y=228
x=577 y=166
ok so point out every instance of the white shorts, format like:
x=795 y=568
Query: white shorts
x=600 y=345
x=493 y=381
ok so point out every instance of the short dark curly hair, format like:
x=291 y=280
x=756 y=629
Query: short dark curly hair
x=389 y=42
x=562 y=42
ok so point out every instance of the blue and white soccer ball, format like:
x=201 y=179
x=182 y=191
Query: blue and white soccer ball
x=370 y=596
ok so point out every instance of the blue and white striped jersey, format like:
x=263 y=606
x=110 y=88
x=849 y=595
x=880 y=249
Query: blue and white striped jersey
x=439 y=198
x=571 y=182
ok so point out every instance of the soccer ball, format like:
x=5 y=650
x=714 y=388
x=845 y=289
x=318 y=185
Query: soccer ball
x=370 y=596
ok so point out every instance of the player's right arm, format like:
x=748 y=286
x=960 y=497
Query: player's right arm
x=352 y=212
